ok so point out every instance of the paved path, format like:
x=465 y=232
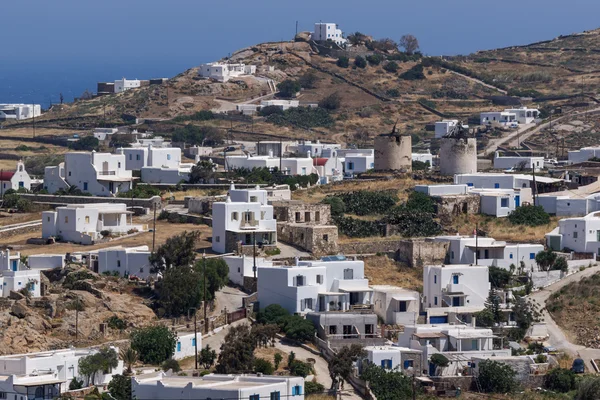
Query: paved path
x=493 y=144
x=288 y=251
x=215 y=340
x=228 y=297
x=557 y=338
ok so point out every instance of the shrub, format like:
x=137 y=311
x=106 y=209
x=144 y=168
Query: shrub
x=420 y=165
x=268 y=110
x=300 y=329
x=115 y=322
x=364 y=202
x=353 y=227
x=304 y=117
x=299 y=368
x=336 y=204
x=495 y=377
x=311 y=387
x=76 y=384
x=171 y=364
x=87 y=143
x=277 y=358
x=391 y=66
x=343 y=62
x=331 y=102
x=154 y=344
x=360 y=62
x=560 y=380
x=374 y=59
x=198 y=135
x=203 y=115
x=105 y=233
x=288 y=88
x=263 y=366
x=440 y=360
x=529 y=215
x=413 y=74
x=309 y=80
x=393 y=92
x=499 y=277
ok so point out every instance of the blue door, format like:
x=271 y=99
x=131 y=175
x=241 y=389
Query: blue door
x=432 y=369
x=14 y=265
x=517 y=201
x=438 y=320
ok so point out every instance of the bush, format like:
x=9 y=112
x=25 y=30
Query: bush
x=87 y=143
x=300 y=329
x=304 y=117
x=420 y=165
x=353 y=227
x=529 y=215
x=343 y=62
x=495 y=377
x=393 y=92
x=115 y=322
x=204 y=115
x=374 y=59
x=299 y=368
x=588 y=388
x=311 y=387
x=76 y=384
x=140 y=192
x=499 y=277
x=413 y=74
x=198 y=135
x=336 y=205
x=154 y=344
x=171 y=364
x=309 y=80
x=560 y=380
x=360 y=62
x=263 y=366
x=272 y=314
x=364 y=202
x=288 y=88
x=268 y=110
x=331 y=102
x=391 y=66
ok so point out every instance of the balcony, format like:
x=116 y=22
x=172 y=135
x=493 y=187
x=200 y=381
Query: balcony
x=107 y=173
x=252 y=224
x=362 y=308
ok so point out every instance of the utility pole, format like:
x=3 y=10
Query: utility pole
x=296 y=29
x=77 y=320
x=33 y=113
x=154 y=229
x=254 y=253
x=534 y=186
x=476 y=243
x=195 y=339
x=205 y=303
x=414 y=392
x=280 y=152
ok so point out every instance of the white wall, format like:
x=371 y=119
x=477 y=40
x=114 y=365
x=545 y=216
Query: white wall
x=443 y=127
x=101 y=174
x=277 y=285
x=54 y=178
x=17 y=280
x=164 y=175
x=242 y=266
x=46 y=261
x=127 y=262
x=505 y=162
x=473 y=281
x=357 y=164
x=185 y=346
x=122 y=85
x=583 y=154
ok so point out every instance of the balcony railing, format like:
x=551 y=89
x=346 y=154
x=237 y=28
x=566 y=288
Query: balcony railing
x=367 y=308
x=105 y=173
x=249 y=224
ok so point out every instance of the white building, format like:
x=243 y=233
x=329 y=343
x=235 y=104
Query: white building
x=244 y=218
x=336 y=285
x=289 y=166
x=444 y=127
x=317 y=148
x=395 y=358
x=490 y=252
x=15 y=276
x=162 y=386
x=358 y=161
x=15 y=179
x=223 y=72
x=104 y=133
x=328 y=31
x=101 y=174
x=19 y=111
x=510 y=116
x=241 y=267
x=455 y=286
x=423 y=157
x=508 y=162
x=45 y=375
x=396 y=305
x=457 y=343
x=83 y=223
x=137 y=158
x=132 y=261
x=525 y=115
x=501 y=181
x=328 y=169
x=581 y=234
x=583 y=154
x=44 y=262
x=122 y=85
x=186 y=345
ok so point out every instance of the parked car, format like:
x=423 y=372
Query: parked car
x=578 y=366
x=230 y=148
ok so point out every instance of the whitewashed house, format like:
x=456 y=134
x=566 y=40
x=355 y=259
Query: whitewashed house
x=583 y=154
x=132 y=261
x=459 y=343
x=525 y=115
x=328 y=31
x=223 y=72
x=336 y=285
x=394 y=358
x=19 y=112
x=244 y=218
x=328 y=169
x=122 y=85
x=423 y=157
x=444 y=127
x=396 y=305
x=83 y=223
x=45 y=375
x=358 y=161
x=289 y=166
x=164 y=386
x=137 y=158
x=455 y=286
x=570 y=205
x=186 y=344
x=581 y=234
x=241 y=267
x=15 y=276
x=490 y=252
x=104 y=133
x=502 y=181
x=316 y=149
x=15 y=179
x=101 y=174
x=508 y=162
x=44 y=262
x=499 y=117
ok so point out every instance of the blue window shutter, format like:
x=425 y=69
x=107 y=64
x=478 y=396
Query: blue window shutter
x=532 y=256
x=178 y=346
x=455 y=279
x=405 y=364
x=382 y=363
x=193 y=341
x=496 y=186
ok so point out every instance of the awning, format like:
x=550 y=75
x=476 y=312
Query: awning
x=455 y=294
x=429 y=335
x=350 y=288
x=114 y=178
x=400 y=297
x=500 y=245
x=41 y=383
x=424 y=379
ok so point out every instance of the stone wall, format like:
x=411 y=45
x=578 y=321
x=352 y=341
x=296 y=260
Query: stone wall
x=449 y=207
x=249 y=284
x=419 y=252
x=199 y=205
x=369 y=247
x=300 y=212
x=317 y=239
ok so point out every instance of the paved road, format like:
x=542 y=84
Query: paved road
x=493 y=144
x=558 y=339
x=228 y=297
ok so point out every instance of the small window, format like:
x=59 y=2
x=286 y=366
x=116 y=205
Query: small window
x=435 y=301
x=452 y=255
x=66 y=219
x=85 y=186
x=2 y=395
x=118 y=263
x=275 y=396
x=297 y=390
x=496 y=186
x=234 y=216
x=319 y=279
x=307 y=216
x=178 y=346
x=119 y=164
x=48 y=219
x=193 y=341
x=350 y=165
x=168 y=156
x=511 y=256
x=326 y=238
x=300 y=280
x=131 y=157
x=333 y=329
x=574 y=235
x=532 y=256
x=317 y=216
x=408 y=364
x=218 y=239
x=504 y=202
x=435 y=279
x=87 y=219
x=69 y=173
x=298 y=217
x=253 y=199
x=137 y=157
x=455 y=279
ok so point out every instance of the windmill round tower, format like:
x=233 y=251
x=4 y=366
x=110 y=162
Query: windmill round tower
x=393 y=152
x=458 y=152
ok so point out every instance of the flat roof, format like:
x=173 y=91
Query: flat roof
x=429 y=335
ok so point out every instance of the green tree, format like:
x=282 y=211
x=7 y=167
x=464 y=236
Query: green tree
x=331 y=102
x=198 y=135
x=237 y=351
x=217 y=275
x=202 y=172
x=360 y=62
x=529 y=215
x=272 y=314
x=495 y=377
x=560 y=264
x=309 y=80
x=119 y=387
x=207 y=357
x=492 y=304
x=588 y=388
x=263 y=366
x=343 y=62
x=374 y=59
x=291 y=358
x=154 y=344
x=288 y=88
x=409 y=43
x=336 y=205
x=178 y=251
x=439 y=360
x=179 y=290
x=391 y=66
x=526 y=313
x=277 y=358
x=171 y=364
x=104 y=360
x=129 y=357
x=76 y=384
x=299 y=368
x=86 y=143
x=387 y=385
x=311 y=387
x=499 y=277
x=413 y=74
x=300 y=329
x=341 y=365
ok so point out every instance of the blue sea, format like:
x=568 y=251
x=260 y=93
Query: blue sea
x=66 y=46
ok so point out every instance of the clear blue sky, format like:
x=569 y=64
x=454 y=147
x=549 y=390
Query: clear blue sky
x=52 y=46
